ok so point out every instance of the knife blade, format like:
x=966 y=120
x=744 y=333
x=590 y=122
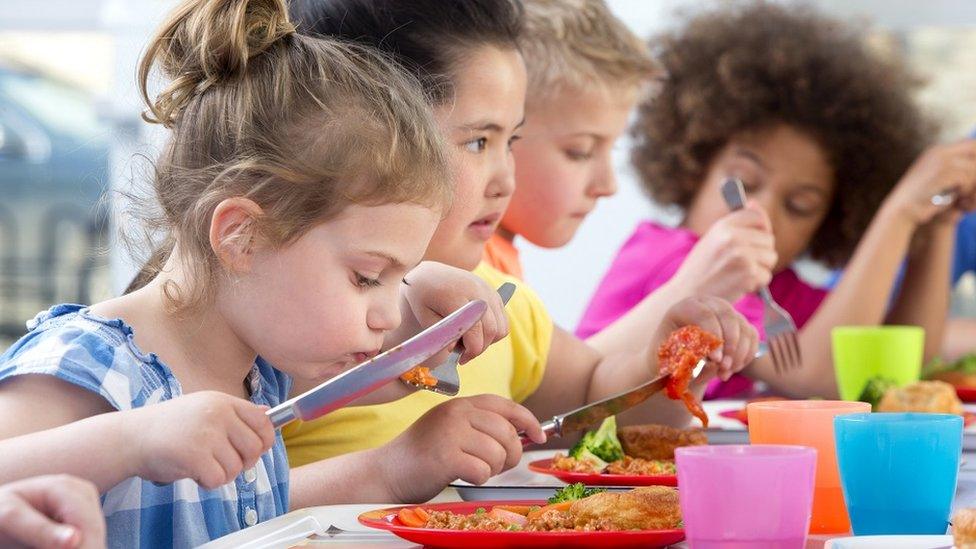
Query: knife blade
x=379 y=370
x=595 y=412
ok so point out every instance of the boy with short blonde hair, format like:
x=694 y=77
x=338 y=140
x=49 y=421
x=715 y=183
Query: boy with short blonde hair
x=586 y=73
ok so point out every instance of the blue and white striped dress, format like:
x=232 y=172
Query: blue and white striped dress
x=99 y=355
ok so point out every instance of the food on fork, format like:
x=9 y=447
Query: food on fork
x=964 y=529
x=922 y=396
x=572 y=508
x=657 y=441
x=420 y=376
x=678 y=356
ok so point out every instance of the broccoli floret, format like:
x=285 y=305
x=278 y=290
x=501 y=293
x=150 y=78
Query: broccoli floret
x=586 y=455
x=602 y=443
x=875 y=389
x=574 y=492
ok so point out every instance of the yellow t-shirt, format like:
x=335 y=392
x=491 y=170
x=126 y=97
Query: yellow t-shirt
x=512 y=368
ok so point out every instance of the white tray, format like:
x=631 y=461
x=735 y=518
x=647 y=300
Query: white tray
x=890 y=542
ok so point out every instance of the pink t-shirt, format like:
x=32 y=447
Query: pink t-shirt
x=651 y=256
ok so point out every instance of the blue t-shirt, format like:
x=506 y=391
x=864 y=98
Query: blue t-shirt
x=99 y=355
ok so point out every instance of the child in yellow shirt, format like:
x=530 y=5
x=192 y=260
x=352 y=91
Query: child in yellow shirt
x=465 y=53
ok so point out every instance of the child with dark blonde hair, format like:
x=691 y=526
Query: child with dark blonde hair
x=302 y=179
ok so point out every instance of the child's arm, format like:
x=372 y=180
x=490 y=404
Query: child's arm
x=861 y=296
x=207 y=436
x=51 y=511
x=471 y=438
x=576 y=373
x=734 y=257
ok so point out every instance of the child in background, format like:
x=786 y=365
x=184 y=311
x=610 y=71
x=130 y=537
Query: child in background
x=54 y=511
x=823 y=135
x=465 y=52
x=586 y=72
x=302 y=179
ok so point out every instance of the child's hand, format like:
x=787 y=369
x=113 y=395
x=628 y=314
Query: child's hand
x=435 y=290
x=56 y=511
x=940 y=168
x=735 y=257
x=717 y=316
x=208 y=436
x=471 y=438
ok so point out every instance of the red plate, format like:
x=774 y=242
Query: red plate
x=386 y=519
x=544 y=466
x=967 y=417
x=966 y=393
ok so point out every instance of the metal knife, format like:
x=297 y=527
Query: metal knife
x=595 y=412
x=379 y=370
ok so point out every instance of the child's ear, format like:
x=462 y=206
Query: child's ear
x=233 y=232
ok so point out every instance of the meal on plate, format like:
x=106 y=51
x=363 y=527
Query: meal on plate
x=678 y=356
x=961 y=372
x=964 y=529
x=639 y=450
x=921 y=396
x=574 y=507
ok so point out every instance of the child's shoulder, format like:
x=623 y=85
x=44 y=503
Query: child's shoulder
x=97 y=354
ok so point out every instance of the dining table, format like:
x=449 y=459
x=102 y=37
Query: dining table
x=338 y=525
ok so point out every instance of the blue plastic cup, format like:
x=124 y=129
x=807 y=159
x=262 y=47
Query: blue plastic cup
x=898 y=471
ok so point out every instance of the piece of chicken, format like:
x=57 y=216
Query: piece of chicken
x=964 y=529
x=644 y=508
x=922 y=396
x=657 y=441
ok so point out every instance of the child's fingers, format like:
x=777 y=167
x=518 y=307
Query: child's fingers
x=748 y=343
x=473 y=469
x=73 y=500
x=485 y=447
x=247 y=443
x=502 y=431
x=211 y=474
x=29 y=527
x=518 y=415
x=230 y=460
x=473 y=340
x=256 y=418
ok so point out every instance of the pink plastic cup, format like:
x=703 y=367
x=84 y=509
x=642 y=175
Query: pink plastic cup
x=738 y=497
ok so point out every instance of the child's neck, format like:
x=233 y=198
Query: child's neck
x=197 y=344
x=506 y=234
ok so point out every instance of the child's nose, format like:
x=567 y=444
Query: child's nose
x=383 y=316
x=502 y=183
x=604 y=182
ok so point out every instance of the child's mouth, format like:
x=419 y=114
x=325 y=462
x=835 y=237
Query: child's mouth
x=483 y=228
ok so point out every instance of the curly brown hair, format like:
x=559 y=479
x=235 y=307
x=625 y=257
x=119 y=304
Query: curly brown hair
x=750 y=66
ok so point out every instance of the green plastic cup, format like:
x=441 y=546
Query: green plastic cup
x=865 y=352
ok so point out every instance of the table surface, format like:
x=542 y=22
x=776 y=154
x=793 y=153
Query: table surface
x=348 y=533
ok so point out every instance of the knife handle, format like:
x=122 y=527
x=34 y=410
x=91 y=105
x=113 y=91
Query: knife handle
x=550 y=428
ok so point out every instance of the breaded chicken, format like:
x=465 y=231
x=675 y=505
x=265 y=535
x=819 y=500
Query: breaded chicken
x=644 y=508
x=657 y=441
x=964 y=529
x=922 y=396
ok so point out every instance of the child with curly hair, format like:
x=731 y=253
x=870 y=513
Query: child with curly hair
x=823 y=134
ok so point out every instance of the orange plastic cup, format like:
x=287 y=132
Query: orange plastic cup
x=809 y=423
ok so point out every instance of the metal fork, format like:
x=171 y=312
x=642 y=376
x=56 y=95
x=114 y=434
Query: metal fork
x=784 y=348
x=448 y=382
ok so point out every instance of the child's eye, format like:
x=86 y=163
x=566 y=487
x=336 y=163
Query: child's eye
x=579 y=156
x=512 y=141
x=366 y=282
x=476 y=145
